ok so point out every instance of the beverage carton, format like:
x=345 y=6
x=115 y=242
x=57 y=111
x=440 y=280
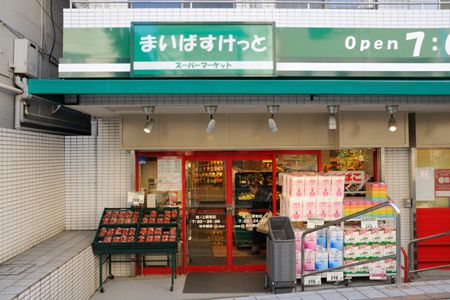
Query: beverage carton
x=334 y=258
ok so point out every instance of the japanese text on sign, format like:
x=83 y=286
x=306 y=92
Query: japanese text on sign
x=188 y=43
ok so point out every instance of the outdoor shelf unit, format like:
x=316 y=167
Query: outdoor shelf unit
x=134 y=246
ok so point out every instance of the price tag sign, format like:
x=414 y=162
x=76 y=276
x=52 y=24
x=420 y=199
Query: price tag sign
x=378 y=273
x=335 y=276
x=313 y=280
x=314 y=222
x=369 y=223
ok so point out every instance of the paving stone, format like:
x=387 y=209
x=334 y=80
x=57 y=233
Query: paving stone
x=432 y=282
x=327 y=292
x=309 y=293
x=439 y=296
x=25 y=282
x=430 y=289
x=6 y=283
x=13 y=290
x=392 y=293
x=412 y=291
x=312 y=297
x=266 y=297
x=365 y=288
x=373 y=294
x=444 y=287
x=6 y=297
x=353 y=295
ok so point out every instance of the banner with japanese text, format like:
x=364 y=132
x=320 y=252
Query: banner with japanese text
x=189 y=49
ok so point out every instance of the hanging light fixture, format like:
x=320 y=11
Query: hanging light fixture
x=272 y=109
x=211 y=110
x=332 y=110
x=392 y=123
x=148 y=110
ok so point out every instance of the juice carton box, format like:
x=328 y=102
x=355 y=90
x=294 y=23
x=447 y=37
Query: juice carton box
x=390 y=265
x=334 y=258
x=299 y=186
x=321 y=258
x=389 y=249
x=336 y=209
x=337 y=187
x=350 y=270
x=296 y=211
x=311 y=241
x=376 y=236
x=311 y=187
x=363 y=251
x=389 y=235
x=350 y=252
x=350 y=235
x=364 y=236
x=363 y=269
x=310 y=260
x=324 y=187
x=323 y=208
x=309 y=209
x=376 y=250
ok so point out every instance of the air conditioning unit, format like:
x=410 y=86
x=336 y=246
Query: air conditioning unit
x=26 y=58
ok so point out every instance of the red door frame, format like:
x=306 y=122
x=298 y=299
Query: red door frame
x=226 y=156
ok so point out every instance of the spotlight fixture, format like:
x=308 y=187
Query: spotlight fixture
x=332 y=110
x=272 y=109
x=211 y=110
x=392 y=123
x=148 y=110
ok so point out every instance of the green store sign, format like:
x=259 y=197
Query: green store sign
x=255 y=49
x=202 y=50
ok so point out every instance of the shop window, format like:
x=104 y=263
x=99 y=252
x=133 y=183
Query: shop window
x=432 y=174
x=358 y=165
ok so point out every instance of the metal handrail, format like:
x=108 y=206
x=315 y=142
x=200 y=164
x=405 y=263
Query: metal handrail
x=410 y=250
x=396 y=256
x=356 y=3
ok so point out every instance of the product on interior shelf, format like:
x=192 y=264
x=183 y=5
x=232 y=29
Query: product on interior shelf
x=335 y=258
x=335 y=238
x=321 y=262
x=311 y=195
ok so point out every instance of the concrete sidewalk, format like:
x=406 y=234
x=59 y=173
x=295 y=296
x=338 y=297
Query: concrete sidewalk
x=157 y=287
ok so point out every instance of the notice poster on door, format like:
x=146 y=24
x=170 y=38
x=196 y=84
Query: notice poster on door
x=169 y=174
x=425 y=184
x=442 y=183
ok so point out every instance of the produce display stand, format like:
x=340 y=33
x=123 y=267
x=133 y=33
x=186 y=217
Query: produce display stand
x=137 y=231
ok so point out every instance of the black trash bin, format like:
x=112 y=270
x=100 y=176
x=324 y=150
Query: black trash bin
x=280 y=276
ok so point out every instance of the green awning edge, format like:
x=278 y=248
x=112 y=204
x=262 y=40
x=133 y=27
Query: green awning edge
x=240 y=86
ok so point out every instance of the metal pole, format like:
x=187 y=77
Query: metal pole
x=302 y=266
x=398 y=263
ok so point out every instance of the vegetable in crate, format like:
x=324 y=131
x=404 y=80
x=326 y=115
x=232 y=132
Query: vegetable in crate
x=141 y=239
x=110 y=232
x=116 y=239
x=125 y=231
x=132 y=231
x=174 y=213
x=130 y=238
x=107 y=239
x=157 y=238
x=153 y=214
x=143 y=230
x=102 y=232
x=149 y=239
x=160 y=220
x=150 y=230
x=152 y=221
x=118 y=231
x=113 y=221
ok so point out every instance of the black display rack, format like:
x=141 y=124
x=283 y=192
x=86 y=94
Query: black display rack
x=137 y=231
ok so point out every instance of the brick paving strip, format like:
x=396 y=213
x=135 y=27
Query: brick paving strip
x=436 y=289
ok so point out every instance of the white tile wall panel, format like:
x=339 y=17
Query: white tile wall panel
x=81 y=182
x=75 y=280
x=97 y=176
x=32 y=204
x=383 y=18
x=396 y=171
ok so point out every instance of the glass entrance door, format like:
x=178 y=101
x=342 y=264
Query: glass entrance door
x=252 y=197
x=206 y=210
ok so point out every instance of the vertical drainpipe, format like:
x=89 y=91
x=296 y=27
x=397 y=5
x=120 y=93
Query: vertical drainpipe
x=20 y=99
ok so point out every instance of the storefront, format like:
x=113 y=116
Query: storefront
x=214 y=191
x=209 y=174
